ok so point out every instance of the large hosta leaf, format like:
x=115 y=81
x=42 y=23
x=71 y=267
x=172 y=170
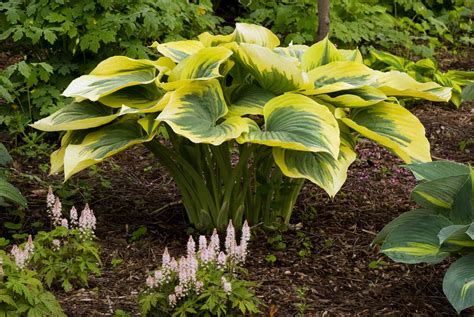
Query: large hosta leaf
x=320 y=167
x=141 y=96
x=416 y=240
x=113 y=74
x=202 y=65
x=458 y=283
x=455 y=235
x=248 y=99
x=243 y=33
x=393 y=127
x=273 y=72
x=446 y=187
x=194 y=111
x=321 y=53
x=296 y=122
x=395 y=83
x=352 y=55
x=177 y=51
x=100 y=144
x=57 y=157
x=354 y=98
x=292 y=51
x=338 y=76
x=77 y=116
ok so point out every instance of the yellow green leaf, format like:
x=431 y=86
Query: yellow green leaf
x=354 y=98
x=247 y=99
x=296 y=122
x=179 y=50
x=243 y=33
x=194 y=111
x=319 y=54
x=393 y=127
x=141 y=96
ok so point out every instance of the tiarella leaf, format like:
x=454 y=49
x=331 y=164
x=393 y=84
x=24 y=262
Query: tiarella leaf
x=177 y=51
x=395 y=83
x=273 y=72
x=111 y=75
x=194 y=110
x=458 y=283
x=416 y=241
x=319 y=54
x=77 y=116
x=101 y=144
x=296 y=122
x=243 y=33
x=202 y=65
x=338 y=76
x=354 y=98
x=393 y=127
x=320 y=167
x=248 y=99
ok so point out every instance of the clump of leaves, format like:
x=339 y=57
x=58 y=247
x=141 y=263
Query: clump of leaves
x=21 y=292
x=205 y=282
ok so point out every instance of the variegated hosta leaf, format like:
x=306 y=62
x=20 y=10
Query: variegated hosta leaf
x=354 y=98
x=113 y=74
x=320 y=167
x=292 y=51
x=395 y=83
x=57 y=157
x=296 y=122
x=101 y=144
x=273 y=72
x=416 y=241
x=393 y=127
x=248 y=99
x=194 y=111
x=141 y=96
x=202 y=65
x=458 y=283
x=243 y=33
x=338 y=76
x=179 y=50
x=319 y=54
x=352 y=55
x=77 y=116
x=380 y=57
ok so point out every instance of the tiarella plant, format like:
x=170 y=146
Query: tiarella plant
x=68 y=254
x=443 y=227
x=205 y=282
x=426 y=70
x=21 y=292
x=239 y=121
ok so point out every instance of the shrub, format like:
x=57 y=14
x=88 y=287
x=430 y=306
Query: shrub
x=62 y=39
x=67 y=254
x=21 y=292
x=442 y=227
x=246 y=121
x=204 y=283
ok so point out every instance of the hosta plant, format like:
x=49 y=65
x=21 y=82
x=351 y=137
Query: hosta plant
x=442 y=227
x=68 y=254
x=205 y=282
x=426 y=70
x=239 y=121
x=21 y=292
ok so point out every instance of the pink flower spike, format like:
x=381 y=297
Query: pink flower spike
x=56 y=244
x=56 y=214
x=227 y=286
x=73 y=217
x=215 y=242
x=29 y=246
x=191 y=247
x=202 y=243
x=221 y=259
x=64 y=223
x=150 y=281
x=87 y=222
x=166 y=260
x=50 y=199
x=230 y=242
x=172 y=300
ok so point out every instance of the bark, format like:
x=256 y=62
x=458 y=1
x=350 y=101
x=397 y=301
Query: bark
x=323 y=19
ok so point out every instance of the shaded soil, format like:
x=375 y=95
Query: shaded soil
x=338 y=270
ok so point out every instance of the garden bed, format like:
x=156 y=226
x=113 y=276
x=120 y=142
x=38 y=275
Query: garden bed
x=341 y=272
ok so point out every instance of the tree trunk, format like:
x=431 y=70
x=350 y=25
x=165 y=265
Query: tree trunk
x=323 y=19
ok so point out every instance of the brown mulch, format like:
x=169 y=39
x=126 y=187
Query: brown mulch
x=334 y=271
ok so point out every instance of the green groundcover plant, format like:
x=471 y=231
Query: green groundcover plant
x=21 y=292
x=68 y=254
x=8 y=192
x=442 y=227
x=240 y=121
x=205 y=282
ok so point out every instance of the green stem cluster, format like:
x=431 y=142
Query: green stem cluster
x=227 y=182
